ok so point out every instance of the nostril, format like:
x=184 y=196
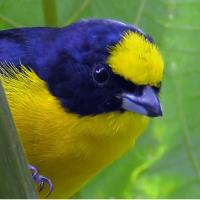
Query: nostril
x=130 y=87
x=138 y=91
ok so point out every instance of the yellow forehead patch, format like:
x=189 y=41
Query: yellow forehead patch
x=137 y=60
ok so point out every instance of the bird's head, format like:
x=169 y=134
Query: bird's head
x=107 y=66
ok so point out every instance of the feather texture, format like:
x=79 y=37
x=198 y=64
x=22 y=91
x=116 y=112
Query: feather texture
x=67 y=148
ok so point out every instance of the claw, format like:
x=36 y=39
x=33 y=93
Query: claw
x=41 y=186
x=35 y=172
x=41 y=180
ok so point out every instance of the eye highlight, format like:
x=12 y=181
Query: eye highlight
x=101 y=75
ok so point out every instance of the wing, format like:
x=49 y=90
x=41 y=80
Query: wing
x=31 y=47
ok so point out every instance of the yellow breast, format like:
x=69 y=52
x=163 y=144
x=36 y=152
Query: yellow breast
x=67 y=148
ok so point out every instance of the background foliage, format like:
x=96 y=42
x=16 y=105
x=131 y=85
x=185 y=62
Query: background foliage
x=165 y=163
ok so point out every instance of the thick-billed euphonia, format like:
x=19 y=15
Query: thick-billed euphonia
x=80 y=95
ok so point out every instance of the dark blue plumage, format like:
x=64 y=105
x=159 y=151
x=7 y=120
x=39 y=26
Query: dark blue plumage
x=67 y=59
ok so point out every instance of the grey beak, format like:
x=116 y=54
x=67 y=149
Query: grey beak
x=146 y=104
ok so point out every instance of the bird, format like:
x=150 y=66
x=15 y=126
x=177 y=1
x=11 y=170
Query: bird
x=80 y=95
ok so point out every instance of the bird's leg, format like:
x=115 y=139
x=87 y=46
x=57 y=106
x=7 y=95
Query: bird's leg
x=41 y=180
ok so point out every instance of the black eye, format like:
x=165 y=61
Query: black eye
x=101 y=75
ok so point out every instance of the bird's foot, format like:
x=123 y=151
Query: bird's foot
x=41 y=180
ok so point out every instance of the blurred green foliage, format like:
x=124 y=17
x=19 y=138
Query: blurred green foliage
x=165 y=162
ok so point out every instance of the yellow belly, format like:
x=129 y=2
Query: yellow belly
x=67 y=148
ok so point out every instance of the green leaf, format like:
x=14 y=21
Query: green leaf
x=15 y=179
x=165 y=162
